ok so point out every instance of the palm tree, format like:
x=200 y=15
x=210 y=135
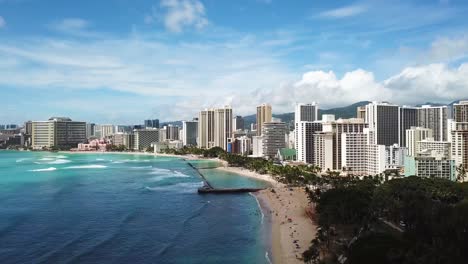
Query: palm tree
x=461 y=173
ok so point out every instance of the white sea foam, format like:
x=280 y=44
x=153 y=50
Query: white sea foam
x=92 y=166
x=141 y=167
x=183 y=187
x=100 y=159
x=59 y=161
x=48 y=169
x=60 y=157
x=21 y=160
x=160 y=171
x=47 y=158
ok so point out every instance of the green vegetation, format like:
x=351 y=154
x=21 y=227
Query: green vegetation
x=120 y=148
x=407 y=220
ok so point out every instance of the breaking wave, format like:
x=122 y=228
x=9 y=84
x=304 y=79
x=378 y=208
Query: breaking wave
x=47 y=169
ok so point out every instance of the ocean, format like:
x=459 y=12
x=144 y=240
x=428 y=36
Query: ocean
x=117 y=208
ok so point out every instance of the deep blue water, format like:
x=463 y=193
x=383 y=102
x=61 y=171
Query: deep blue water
x=105 y=208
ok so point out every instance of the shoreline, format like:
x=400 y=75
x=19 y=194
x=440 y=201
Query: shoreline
x=289 y=239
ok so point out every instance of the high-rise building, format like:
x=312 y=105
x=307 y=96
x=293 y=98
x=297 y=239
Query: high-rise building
x=306 y=112
x=223 y=126
x=90 y=130
x=58 y=132
x=460 y=111
x=435 y=118
x=263 y=115
x=414 y=135
x=304 y=140
x=104 y=131
x=189 y=133
x=145 y=137
x=354 y=153
x=323 y=150
x=124 y=139
x=408 y=117
x=459 y=140
x=395 y=157
x=215 y=127
x=338 y=127
x=28 y=128
x=152 y=123
x=304 y=127
x=383 y=119
x=273 y=138
x=241 y=145
x=361 y=112
x=206 y=129
x=238 y=123
x=172 y=132
x=257 y=146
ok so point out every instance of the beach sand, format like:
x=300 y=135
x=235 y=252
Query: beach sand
x=289 y=238
x=251 y=174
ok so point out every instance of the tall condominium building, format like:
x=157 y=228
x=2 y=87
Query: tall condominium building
x=354 y=153
x=215 y=127
x=237 y=123
x=338 y=127
x=459 y=139
x=304 y=140
x=306 y=112
x=206 y=126
x=172 y=132
x=58 y=132
x=152 y=123
x=383 y=119
x=28 y=128
x=273 y=138
x=361 y=112
x=263 y=115
x=415 y=134
x=145 y=137
x=323 y=149
x=360 y=156
x=90 y=130
x=223 y=126
x=460 y=111
x=189 y=133
x=123 y=129
x=163 y=134
x=408 y=117
x=104 y=131
x=435 y=118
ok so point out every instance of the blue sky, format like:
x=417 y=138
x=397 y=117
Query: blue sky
x=124 y=61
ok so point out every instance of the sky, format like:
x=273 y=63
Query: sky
x=123 y=61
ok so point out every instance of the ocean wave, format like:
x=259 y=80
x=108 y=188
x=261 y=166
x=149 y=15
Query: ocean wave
x=21 y=160
x=47 y=169
x=92 y=166
x=141 y=167
x=59 y=161
x=160 y=171
x=47 y=158
x=183 y=187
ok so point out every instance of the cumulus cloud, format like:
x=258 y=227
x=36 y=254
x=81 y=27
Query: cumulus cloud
x=2 y=22
x=413 y=85
x=180 y=14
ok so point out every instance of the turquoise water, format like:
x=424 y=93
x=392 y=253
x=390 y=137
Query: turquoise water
x=111 y=208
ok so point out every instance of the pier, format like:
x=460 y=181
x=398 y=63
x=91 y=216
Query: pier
x=208 y=188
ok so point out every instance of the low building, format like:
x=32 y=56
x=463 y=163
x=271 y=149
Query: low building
x=241 y=145
x=431 y=166
x=94 y=145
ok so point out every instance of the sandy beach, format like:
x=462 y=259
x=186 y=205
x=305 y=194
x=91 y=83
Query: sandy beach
x=251 y=174
x=292 y=229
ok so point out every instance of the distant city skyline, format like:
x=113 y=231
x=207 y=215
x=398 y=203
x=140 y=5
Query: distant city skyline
x=122 y=62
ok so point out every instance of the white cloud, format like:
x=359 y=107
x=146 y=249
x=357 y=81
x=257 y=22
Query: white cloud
x=180 y=14
x=346 y=11
x=2 y=22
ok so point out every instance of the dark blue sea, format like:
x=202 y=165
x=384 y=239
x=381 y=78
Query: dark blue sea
x=112 y=208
